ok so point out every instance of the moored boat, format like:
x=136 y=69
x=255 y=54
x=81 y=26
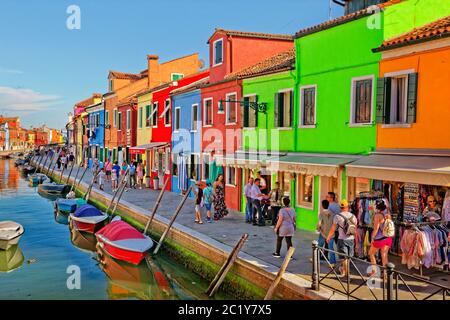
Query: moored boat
x=10 y=234
x=38 y=178
x=83 y=240
x=68 y=205
x=52 y=188
x=87 y=218
x=123 y=242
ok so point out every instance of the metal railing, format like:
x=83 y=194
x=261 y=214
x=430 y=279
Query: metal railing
x=386 y=284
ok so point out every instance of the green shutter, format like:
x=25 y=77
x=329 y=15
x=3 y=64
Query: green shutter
x=275 y=111
x=140 y=117
x=281 y=109
x=256 y=112
x=412 y=98
x=245 y=110
x=381 y=97
x=147 y=114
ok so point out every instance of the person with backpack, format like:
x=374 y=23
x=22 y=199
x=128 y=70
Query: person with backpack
x=208 y=199
x=346 y=224
x=382 y=234
x=285 y=227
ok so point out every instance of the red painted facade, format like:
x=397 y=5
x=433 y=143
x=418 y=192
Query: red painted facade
x=239 y=52
x=163 y=132
x=126 y=138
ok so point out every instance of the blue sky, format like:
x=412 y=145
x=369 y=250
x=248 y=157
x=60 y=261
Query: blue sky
x=45 y=67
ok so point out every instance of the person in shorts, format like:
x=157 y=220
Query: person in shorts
x=198 y=203
x=346 y=242
x=208 y=199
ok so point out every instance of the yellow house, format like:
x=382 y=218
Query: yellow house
x=144 y=129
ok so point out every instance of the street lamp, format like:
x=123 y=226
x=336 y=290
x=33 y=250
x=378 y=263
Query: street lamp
x=257 y=106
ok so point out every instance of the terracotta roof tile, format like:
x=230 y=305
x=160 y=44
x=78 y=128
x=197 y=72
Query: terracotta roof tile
x=434 y=30
x=280 y=62
x=125 y=75
x=254 y=35
x=88 y=101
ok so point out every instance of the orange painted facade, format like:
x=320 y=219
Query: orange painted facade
x=431 y=129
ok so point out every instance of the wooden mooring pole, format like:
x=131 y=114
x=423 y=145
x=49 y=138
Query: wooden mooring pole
x=226 y=267
x=75 y=178
x=155 y=208
x=277 y=280
x=122 y=189
x=82 y=176
x=88 y=192
x=177 y=211
x=117 y=191
x=70 y=172
x=56 y=162
x=61 y=175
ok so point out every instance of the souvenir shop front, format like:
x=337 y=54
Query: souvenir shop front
x=416 y=190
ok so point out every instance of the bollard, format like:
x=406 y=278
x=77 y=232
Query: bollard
x=315 y=271
x=390 y=281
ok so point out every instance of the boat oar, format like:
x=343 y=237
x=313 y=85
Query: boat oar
x=122 y=187
x=70 y=172
x=117 y=190
x=158 y=201
x=177 y=211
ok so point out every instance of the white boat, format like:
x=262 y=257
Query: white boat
x=10 y=233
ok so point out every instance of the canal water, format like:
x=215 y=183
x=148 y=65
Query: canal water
x=45 y=263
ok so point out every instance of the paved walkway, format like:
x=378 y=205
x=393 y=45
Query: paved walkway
x=261 y=243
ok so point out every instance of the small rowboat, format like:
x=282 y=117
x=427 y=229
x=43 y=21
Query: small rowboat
x=52 y=188
x=123 y=242
x=10 y=233
x=26 y=169
x=83 y=241
x=38 y=178
x=87 y=218
x=67 y=206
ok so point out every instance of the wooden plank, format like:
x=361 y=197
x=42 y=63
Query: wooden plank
x=177 y=211
x=158 y=201
x=280 y=274
x=226 y=267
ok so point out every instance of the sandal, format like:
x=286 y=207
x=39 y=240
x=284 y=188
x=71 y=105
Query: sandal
x=200 y=222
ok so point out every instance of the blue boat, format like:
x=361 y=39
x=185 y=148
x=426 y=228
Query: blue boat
x=38 y=178
x=68 y=205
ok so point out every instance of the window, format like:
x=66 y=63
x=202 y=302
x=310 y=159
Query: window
x=175 y=165
x=231 y=176
x=362 y=94
x=111 y=86
x=305 y=190
x=166 y=160
x=207 y=112
x=283 y=108
x=205 y=167
x=396 y=99
x=177 y=118
x=250 y=116
x=106 y=118
x=218 y=52
x=308 y=106
x=231 y=108
x=193 y=167
x=147 y=116
x=177 y=76
x=167 y=113
x=155 y=114
x=128 y=119
x=115 y=118
x=194 y=117
x=140 y=117
x=119 y=121
x=357 y=185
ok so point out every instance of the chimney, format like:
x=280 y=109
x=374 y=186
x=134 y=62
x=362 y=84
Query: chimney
x=154 y=77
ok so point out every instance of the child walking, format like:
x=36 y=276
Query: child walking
x=198 y=203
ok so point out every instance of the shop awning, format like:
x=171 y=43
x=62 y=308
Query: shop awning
x=141 y=149
x=242 y=160
x=403 y=168
x=317 y=165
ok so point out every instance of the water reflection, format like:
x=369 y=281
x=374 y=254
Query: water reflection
x=141 y=281
x=11 y=259
x=82 y=240
x=61 y=218
x=9 y=177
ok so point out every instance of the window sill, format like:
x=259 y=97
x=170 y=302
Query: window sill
x=207 y=126
x=305 y=207
x=231 y=124
x=310 y=126
x=230 y=185
x=396 y=125
x=218 y=64
x=167 y=125
x=193 y=131
x=250 y=128
x=220 y=112
x=360 y=125
x=283 y=128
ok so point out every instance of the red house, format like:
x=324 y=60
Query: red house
x=161 y=122
x=230 y=51
x=126 y=129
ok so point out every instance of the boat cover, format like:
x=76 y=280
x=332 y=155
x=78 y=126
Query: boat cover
x=9 y=230
x=87 y=211
x=120 y=230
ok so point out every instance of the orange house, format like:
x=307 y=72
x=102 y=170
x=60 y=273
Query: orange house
x=418 y=60
x=124 y=87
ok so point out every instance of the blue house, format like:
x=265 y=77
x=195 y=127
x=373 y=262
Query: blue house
x=96 y=132
x=186 y=136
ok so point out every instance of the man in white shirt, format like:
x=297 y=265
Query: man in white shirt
x=256 y=196
x=248 y=207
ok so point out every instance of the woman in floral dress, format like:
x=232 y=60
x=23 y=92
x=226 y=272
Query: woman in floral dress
x=220 y=208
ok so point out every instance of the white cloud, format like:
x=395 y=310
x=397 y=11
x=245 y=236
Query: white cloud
x=10 y=71
x=25 y=101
